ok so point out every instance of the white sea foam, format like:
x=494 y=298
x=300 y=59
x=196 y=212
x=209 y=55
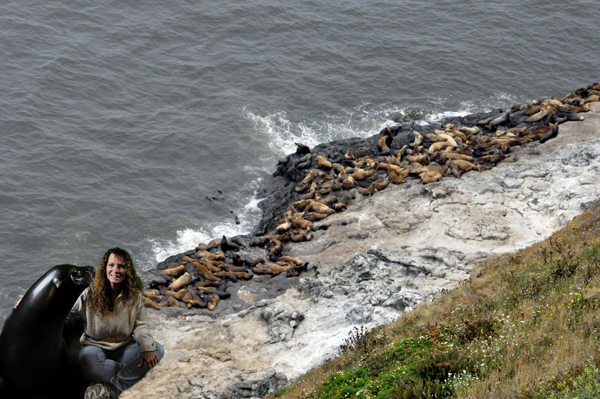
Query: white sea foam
x=281 y=134
x=362 y=121
x=247 y=218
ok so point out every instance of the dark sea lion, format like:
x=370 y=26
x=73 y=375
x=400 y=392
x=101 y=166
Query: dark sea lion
x=228 y=245
x=384 y=142
x=499 y=120
x=304 y=162
x=550 y=135
x=35 y=359
x=302 y=149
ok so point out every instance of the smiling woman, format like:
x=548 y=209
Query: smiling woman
x=118 y=346
x=115 y=272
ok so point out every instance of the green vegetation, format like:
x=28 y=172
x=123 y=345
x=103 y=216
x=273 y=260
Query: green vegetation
x=528 y=326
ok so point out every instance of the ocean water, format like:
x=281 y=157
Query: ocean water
x=150 y=125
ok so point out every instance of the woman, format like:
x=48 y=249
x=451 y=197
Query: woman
x=118 y=347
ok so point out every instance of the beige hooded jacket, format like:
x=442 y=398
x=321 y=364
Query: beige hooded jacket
x=117 y=328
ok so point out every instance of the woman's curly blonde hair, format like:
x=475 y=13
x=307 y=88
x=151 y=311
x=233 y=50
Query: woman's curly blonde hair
x=100 y=296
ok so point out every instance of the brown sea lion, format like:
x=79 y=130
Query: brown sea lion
x=348 y=183
x=438 y=145
x=210 y=255
x=278 y=268
x=210 y=266
x=204 y=271
x=541 y=114
x=175 y=271
x=338 y=207
x=430 y=176
x=241 y=275
x=314 y=216
x=290 y=259
x=464 y=166
x=332 y=199
x=180 y=282
x=319 y=208
x=362 y=174
x=276 y=248
x=397 y=178
x=150 y=304
x=213 y=300
x=177 y=294
x=299 y=236
x=418 y=139
x=323 y=163
x=301 y=224
x=383 y=144
x=420 y=158
x=456 y=155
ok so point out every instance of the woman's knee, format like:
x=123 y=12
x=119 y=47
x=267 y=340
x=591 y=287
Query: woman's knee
x=160 y=351
x=91 y=359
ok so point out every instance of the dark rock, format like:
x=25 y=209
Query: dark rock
x=255 y=384
x=170 y=260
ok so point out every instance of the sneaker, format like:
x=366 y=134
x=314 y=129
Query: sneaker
x=97 y=390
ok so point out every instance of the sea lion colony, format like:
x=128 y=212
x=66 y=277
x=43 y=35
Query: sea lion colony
x=325 y=180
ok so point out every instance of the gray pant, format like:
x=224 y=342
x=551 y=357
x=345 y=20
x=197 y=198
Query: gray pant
x=117 y=369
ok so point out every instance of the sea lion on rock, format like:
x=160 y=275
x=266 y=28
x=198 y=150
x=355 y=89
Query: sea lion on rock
x=304 y=162
x=550 y=135
x=262 y=270
x=275 y=250
x=301 y=224
x=320 y=208
x=204 y=271
x=228 y=245
x=418 y=139
x=180 y=282
x=541 y=114
x=500 y=120
x=177 y=295
x=362 y=174
x=299 y=236
x=464 y=166
x=150 y=304
x=323 y=163
x=348 y=183
x=240 y=275
x=175 y=271
x=210 y=255
x=159 y=281
x=339 y=206
x=302 y=149
x=314 y=216
x=430 y=176
x=438 y=145
x=385 y=141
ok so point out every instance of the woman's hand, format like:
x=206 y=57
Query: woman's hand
x=150 y=358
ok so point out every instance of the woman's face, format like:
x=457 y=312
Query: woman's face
x=115 y=271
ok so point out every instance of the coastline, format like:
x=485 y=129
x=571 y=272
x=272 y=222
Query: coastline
x=272 y=329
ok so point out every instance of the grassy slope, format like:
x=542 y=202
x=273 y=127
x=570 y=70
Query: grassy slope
x=528 y=326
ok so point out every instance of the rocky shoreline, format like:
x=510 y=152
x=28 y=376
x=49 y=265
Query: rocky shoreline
x=382 y=255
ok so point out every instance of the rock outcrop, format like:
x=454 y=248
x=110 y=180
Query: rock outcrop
x=380 y=257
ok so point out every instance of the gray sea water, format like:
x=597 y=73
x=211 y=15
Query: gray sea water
x=119 y=120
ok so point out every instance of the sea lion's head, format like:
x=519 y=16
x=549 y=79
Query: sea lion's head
x=58 y=289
